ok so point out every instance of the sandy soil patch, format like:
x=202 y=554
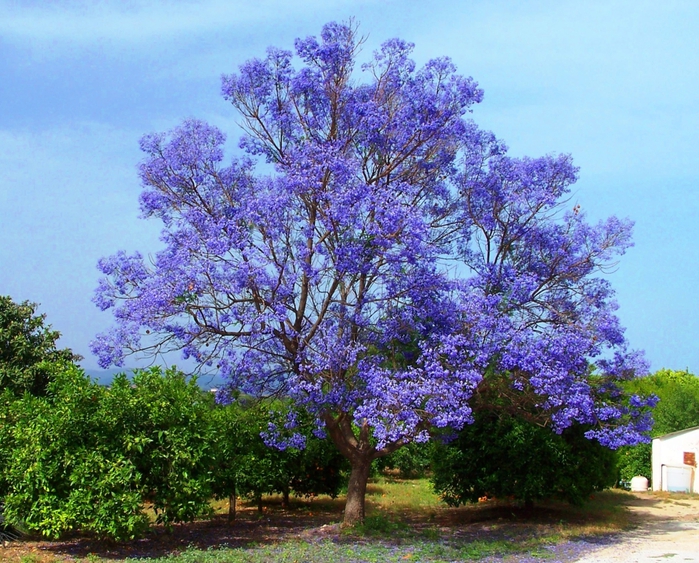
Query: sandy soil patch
x=667 y=530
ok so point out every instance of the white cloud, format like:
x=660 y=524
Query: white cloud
x=136 y=22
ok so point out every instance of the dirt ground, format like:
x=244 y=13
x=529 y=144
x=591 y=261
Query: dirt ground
x=666 y=527
x=667 y=530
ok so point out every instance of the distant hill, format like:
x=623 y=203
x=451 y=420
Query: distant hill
x=105 y=377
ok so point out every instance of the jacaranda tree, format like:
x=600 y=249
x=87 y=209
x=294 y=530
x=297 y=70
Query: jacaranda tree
x=385 y=258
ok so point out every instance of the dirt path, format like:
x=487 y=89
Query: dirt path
x=668 y=530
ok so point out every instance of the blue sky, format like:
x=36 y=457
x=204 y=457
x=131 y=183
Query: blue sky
x=614 y=83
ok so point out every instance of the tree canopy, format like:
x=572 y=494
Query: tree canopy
x=678 y=399
x=505 y=456
x=391 y=257
x=28 y=353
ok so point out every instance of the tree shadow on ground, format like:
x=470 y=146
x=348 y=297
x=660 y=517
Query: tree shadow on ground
x=318 y=519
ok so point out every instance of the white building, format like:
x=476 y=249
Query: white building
x=675 y=457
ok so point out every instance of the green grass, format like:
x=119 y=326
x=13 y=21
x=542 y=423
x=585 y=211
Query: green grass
x=332 y=552
x=414 y=501
x=398 y=496
x=407 y=522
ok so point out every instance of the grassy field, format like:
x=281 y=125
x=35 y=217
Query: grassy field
x=405 y=522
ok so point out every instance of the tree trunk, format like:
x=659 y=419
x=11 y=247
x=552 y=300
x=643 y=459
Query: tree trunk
x=285 y=498
x=259 y=503
x=356 y=491
x=231 y=507
x=357 y=448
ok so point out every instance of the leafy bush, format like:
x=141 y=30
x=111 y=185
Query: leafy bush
x=318 y=469
x=246 y=466
x=62 y=474
x=163 y=422
x=87 y=457
x=29 y=358
x=412 y=461
x=633 y=461
x=243 y=465
x=678 y=394
x=504 y=456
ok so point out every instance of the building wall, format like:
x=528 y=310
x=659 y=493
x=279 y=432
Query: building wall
x=669 y=451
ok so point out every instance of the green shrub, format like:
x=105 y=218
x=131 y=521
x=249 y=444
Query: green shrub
x=411 y=461
x=29 y=358
x=90 y=458
x=85 y=457
x=163 y=421
x=246 y=466
x=633 y=461
x=503 y=456
x=59 y=460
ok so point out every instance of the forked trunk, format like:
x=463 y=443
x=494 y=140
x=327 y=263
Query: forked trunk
x=356 y=491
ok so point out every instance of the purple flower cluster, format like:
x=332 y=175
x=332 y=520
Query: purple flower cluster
x=283 y=436
x=394 y=256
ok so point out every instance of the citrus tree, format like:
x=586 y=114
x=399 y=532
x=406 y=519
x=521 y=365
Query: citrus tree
x=29 y=357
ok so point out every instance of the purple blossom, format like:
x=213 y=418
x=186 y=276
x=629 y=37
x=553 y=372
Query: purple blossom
x=395 y=256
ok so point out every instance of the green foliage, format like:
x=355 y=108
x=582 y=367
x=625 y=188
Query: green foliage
x=163 y=421
x=633 y=461
x=505 y=456
x=29 y=359
x=377 y=525
x=247 y=467
x=61 y=473
x=88 y=457
x=318 y=469
x=677 y=409
x=243 y=464
x=6 y=440
x=412 y=461
x=678 y=394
